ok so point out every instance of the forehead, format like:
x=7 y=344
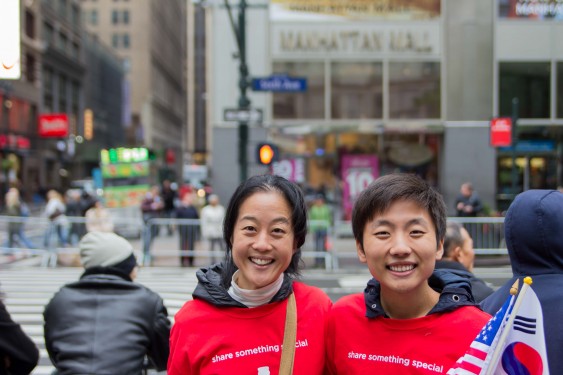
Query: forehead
x=402 y=210
x=270 y=200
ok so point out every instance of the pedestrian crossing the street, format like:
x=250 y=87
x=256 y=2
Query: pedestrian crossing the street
x=26 y=291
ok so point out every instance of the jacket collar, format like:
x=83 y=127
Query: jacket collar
x=209 y=288
x=455 y=292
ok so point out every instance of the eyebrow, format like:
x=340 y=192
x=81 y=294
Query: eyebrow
x=415 y=221
x=281 y=219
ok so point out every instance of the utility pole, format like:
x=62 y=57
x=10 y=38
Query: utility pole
x=514 y=141
x=239 y=31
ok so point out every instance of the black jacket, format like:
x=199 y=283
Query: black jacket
x=16 y=348
x=479 y=288
x=455 y=292
x=209 y=288
x=106 y=324
x=533 y=230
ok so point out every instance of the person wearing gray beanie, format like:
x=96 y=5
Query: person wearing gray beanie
x=125 y=321
x=107 y=250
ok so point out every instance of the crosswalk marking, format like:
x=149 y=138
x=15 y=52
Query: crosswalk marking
x=27 y=290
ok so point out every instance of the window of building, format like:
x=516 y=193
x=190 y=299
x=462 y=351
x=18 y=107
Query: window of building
x=75 y=103
x=62 y=93
x=75 y=50
x=309 y=104
x=29 y=24
x=49 y=33
x=94 y=16
x=125 y=17
x=530 y=83
x=29 y=67
x=115 y=40
x=63 y=42
x=62 y=8
x=126 y=41
x=356 y=90
x=48 y=89
x=414 y=90
x=75 y=15
x=560 y=89
x=114 y=17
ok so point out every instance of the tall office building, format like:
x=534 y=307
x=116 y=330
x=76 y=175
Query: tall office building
x=150 y=37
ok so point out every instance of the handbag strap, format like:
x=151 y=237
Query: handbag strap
x=289 y=335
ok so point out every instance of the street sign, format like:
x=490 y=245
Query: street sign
x=280 y=83
x=243 y=115
x=501 y=132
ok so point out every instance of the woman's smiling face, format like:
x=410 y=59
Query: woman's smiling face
x=263 y=241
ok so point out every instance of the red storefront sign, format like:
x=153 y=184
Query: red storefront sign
x=53 y=125
x=501 y=132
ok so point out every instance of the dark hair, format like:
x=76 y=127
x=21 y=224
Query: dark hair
x=386 y=190
x=265 y=183
x=453 y=237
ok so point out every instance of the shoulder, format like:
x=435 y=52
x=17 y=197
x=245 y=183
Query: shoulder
x=350 y=304
x=311 y=294
x=194 y=310
x=469 y=317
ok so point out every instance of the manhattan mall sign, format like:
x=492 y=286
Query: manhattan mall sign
x=358 y=39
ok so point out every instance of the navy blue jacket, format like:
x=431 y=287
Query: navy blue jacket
x=533 y=230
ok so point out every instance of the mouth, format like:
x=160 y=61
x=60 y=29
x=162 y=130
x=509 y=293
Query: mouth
x=401 y=267
x=261 y=261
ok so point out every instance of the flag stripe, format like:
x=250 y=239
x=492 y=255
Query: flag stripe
x=478 y=353
x=520 y=317
x=473 y=369
x=524 y=330
x=525 y=325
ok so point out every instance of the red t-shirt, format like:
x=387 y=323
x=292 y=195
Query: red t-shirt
x=209 y=340
x=428 y=345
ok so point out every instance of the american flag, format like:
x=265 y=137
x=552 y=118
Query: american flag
x=477 y=356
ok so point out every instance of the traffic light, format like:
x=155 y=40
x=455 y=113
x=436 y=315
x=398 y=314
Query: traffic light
x=267 y=153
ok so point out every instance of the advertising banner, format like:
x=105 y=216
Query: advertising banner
x=372 y=10
x=290 y=169
x=10 y=60
x=531 y=9
x=358 y=171
x=501 y=132
x=53 y=125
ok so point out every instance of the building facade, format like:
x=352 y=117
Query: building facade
x=392 y=87
x=151 y=40
x=19 y=104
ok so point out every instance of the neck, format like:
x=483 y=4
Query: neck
x=255 y=297
x=409 y=306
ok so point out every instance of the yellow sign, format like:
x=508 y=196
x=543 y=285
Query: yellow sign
x=394 y=10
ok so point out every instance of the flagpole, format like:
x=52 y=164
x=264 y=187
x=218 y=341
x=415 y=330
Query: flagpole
x=506 y=330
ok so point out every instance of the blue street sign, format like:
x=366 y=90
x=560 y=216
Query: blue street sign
x=280 y=83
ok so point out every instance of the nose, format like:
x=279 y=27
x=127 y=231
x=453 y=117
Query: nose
x=400 y=245
x=262 y=242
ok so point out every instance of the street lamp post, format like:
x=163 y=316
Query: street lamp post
x=239 y=31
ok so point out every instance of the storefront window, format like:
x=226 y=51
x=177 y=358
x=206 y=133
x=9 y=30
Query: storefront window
x=414 y=90
x=560 y=89
x=530 y=83
x=356 y=90
x=301 y=105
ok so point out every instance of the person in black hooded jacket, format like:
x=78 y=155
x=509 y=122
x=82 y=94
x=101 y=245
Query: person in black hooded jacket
x=533 y=230
x=18 y=354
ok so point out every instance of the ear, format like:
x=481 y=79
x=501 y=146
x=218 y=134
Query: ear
x=440 y=251
x=456 y=253
x=361 y=252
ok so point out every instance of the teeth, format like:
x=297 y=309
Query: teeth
x=261 y=262
x=403 y=268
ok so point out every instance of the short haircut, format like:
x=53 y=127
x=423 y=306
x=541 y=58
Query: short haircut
x=453 y=238
x=386 y=190
x=259 y=184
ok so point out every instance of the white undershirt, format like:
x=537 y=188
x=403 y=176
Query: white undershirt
x=254 y=297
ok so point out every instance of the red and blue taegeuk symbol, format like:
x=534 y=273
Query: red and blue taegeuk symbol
x=521 y=359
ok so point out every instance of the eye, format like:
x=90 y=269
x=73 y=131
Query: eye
x=382 y=234
x=249 y=228
x=417 y=233
x=278 y=231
